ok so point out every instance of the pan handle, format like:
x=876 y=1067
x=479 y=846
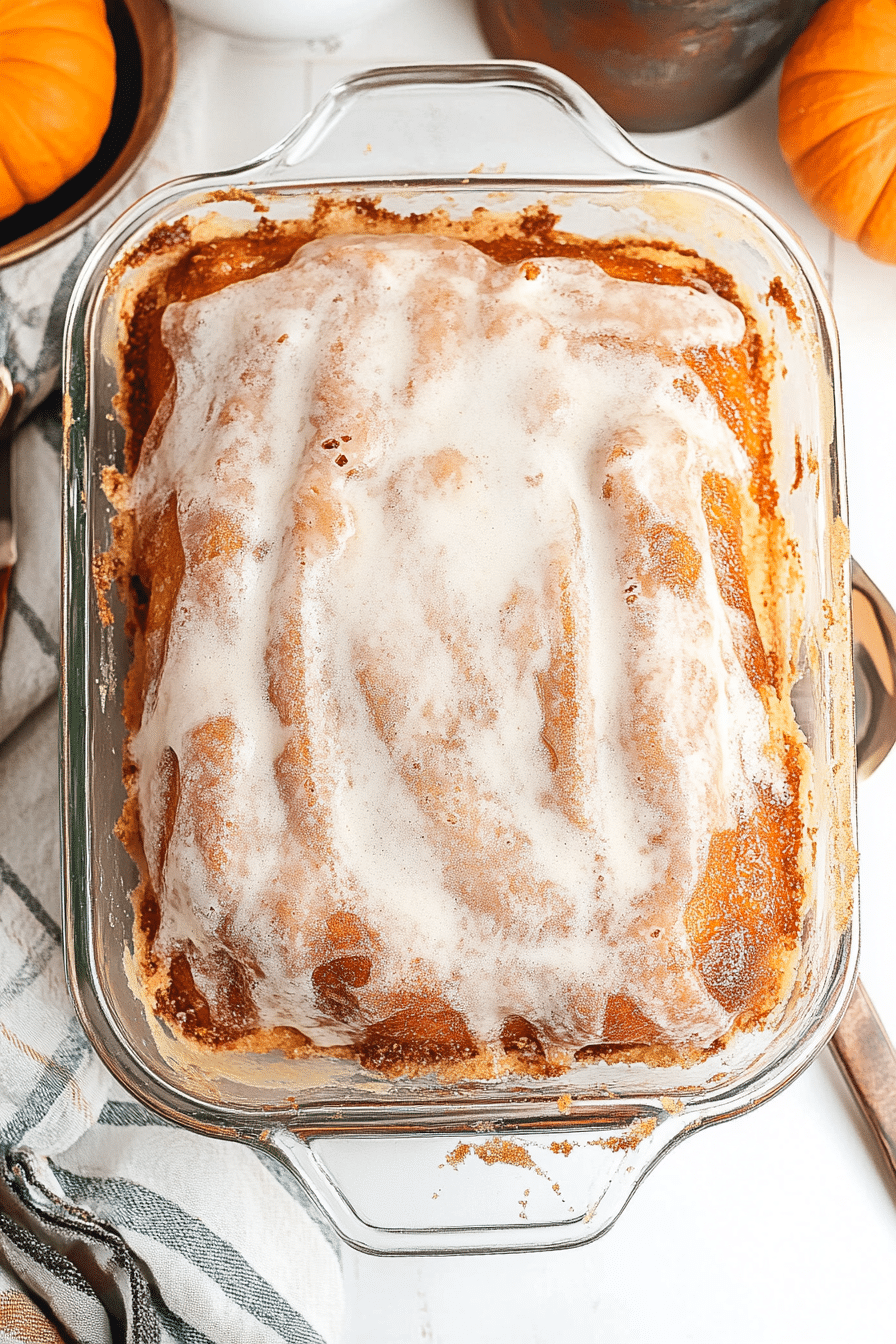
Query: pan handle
x=444 y=120
x=476 y=1192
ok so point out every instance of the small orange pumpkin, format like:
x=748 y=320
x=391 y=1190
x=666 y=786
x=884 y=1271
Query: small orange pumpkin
x=837 y=120
x=57 y=81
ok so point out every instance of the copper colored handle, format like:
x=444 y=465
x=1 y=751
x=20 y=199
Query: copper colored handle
x=866 y=1056
x=874 y=660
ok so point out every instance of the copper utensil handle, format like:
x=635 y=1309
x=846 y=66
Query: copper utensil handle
x=874 y=659
x=866 y=1056
x=861 y=1046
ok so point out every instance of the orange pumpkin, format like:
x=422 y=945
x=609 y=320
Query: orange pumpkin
x=57 y=81
x=837 y=120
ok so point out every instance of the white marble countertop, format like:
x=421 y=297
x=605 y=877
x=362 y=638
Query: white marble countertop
x=779 y=1227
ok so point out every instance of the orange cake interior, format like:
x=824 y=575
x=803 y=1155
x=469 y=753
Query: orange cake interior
x=457 y=586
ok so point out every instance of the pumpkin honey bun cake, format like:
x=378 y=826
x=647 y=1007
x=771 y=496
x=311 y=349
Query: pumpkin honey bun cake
x=460 y=731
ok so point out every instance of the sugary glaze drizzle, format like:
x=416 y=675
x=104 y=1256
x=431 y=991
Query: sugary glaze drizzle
x=453 y=727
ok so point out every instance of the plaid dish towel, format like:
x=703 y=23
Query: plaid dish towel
x=114 y=1225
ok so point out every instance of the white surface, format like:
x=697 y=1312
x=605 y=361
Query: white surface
x=275 y=20
x=778 y=1227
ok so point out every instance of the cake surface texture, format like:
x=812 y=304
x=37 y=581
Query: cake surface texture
x=460 y=731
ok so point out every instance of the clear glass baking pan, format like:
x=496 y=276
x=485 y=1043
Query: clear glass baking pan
x=416 y=1165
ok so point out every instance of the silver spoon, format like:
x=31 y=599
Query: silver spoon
x=860 y=1044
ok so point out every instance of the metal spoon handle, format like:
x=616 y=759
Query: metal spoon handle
x=866 y=1056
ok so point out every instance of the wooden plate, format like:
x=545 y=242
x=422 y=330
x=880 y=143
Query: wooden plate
x=143 y=31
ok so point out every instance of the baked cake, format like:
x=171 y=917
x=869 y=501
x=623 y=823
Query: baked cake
x=460 y=730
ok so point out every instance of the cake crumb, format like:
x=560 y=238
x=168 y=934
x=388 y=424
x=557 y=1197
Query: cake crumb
x=117 y=488
x=797 y=463
x=458 y=1155
x=103 y=574
x=778 y=293
x=674 y=1105
x=687 y=387
x=620 y=1143
x=502 y=1150
x=565 y=1147
x=564 y=1103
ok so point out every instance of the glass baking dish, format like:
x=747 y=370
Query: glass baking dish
x=417 y=1165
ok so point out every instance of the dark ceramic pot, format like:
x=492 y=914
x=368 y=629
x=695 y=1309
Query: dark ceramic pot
x=654 y=65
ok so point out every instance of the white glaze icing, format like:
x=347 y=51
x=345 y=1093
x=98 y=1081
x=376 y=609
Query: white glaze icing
x=493 y=422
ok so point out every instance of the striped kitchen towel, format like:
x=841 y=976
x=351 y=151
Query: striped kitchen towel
x=114 y=1225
